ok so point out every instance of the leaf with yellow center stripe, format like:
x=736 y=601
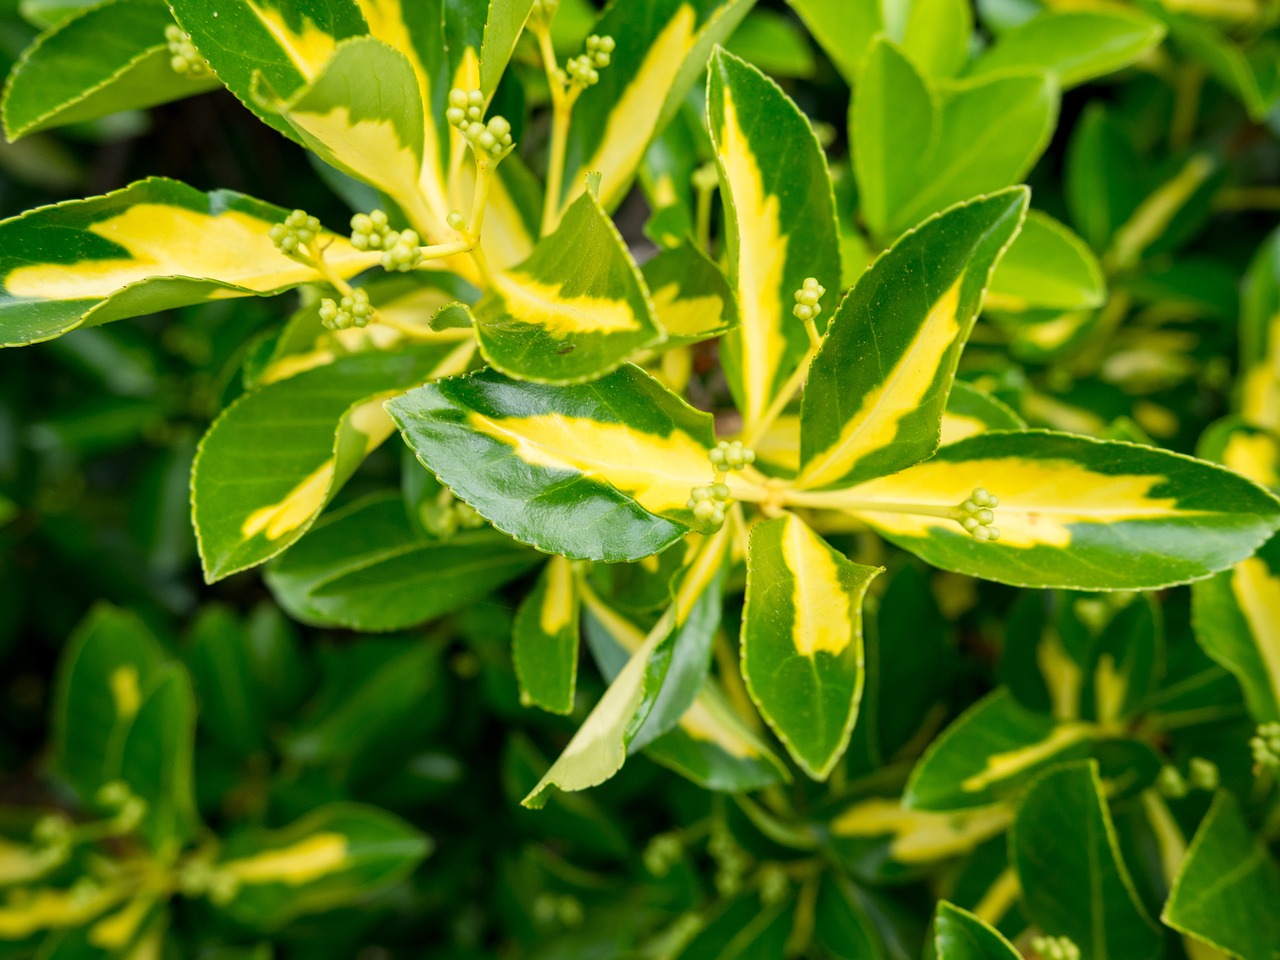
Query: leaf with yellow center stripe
x=1260 y=337
x=595 y=471
x=651 y=688
x=1236 y=614
x=276 y=456
x=576 y=309
x=781 y=225
x=152 y=246
x=661 y=48
x=878 y=387
x=544 y=643
x=371 y=131
x=691 y=298
x=287 y=41
x=1072 y=512
x=971 y=411
x=802 y=652
x=333 y=855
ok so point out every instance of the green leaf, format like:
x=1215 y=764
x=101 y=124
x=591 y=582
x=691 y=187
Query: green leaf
x=781 y=225
x=371 y=131
x=742 y=927
x=1074 y=882
x=544 y=643
x=1047 y=267
x=970 y=411
x=1074 y=45
x=1227 y=887
x=596 y=471
x=575 y=310
x=841 y=924
x=367 y=567
x=959 y=935
x=275 y=457
x=802 y=654
x=990 y=752
x=105 y=59
x=863 y=417
x=226 y=688
x=774 y=43
x=502 y=29
x=661 y=49
x=286 y=42
x=844 y=30
x=110 y=662
x=691 y=298
x=1103 y=181
x=334 y=856
x=1260 y=338
x=936 y=35
x=157 y=759
x=1126 y=663
x=1254 y=79
x=152 y=246
x=1073 y=512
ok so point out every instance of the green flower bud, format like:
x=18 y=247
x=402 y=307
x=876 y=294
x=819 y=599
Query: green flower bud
x=1203 y=774
x=774 y=884
x=354 y=310
x=976 y=516
x=298 y=231
x=184 y=58
x=1055 y=948
x=1266 y=746
x=1171 y=784
x=662 y=853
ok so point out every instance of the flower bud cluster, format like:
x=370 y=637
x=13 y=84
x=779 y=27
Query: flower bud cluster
x=807 y=306
x=550 y=908
x=543 y=11
x=490 y=140
x=1266 y=746
x=774 y=884
x=731 y=455
x=296 y=235
x=353 y=310
x=401 y=249
x=1055 y=948
x=662 y=853
x=583 y=70
x=446 y=515
x=184 y=58
x=977 y=515
x=708 y=503
x=731 y=861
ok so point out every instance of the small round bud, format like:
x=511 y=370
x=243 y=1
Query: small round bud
x=720 y=491
x=456 y=220
x=475 y=99
x=1203 y=774
x=456 y=116
x=1265 y=745
x=1171 y=784
x=457 y=98
x=499 y=126
x=774 y=885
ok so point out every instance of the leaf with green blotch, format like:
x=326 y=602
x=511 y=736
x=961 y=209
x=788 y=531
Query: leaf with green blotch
x=971 y=411
x=1074 y=881
x=1073 y=512
x=575 y=310
x=371 y=131
x=1074 y=45
x=916 y=151
x=155 y=245
x=1047 y=267
x=781 y=225
x=157 y=758
x=661 y=49
x=275 y=457
x=368 y=567
x=1260 y=339
x=595 y=471
x=691 y=298
x=287 y=42
x=337 y=854
x=106 y=58
x=990 y=752
x=1228 y=886
x=544 y=641
x=802 y=654
x=110 y=662
x=876 y=391
x=600 y=747
x=959 y=935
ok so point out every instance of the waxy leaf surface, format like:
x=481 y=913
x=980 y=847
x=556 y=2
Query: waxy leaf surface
x=544 y=642
x=959 y=935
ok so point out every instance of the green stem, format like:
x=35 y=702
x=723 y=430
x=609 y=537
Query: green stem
x=784 y=396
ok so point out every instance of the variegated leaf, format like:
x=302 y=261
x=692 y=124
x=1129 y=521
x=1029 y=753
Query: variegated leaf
x=1260 y=338
x=880 y=838
x=781 y=225
x=596 y=471
x=960 y=935
x=152 y=246
x=802 y=653
x=544 y=643
x=691 y=298
x=878 y=387
x=970 y=412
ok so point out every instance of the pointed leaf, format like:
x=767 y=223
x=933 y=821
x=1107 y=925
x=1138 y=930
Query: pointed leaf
x=575 y=310
x=877 y=389
x=157 y=759
x=881 y=839
x=802 y=653
x=692 y=300
x=1049 y=267
x=597 y=471
x=959 y=935
x=971 y=412
x=1074 y=881
x=1260 y=337
x=276 y=456
x=544 y=644
x=1073 y=512
x=502 y=29
x=843 y=29
x=152 y=246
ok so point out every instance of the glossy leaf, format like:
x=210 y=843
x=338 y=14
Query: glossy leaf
x=782 y=227
x=367 y=567
x=959 y=935
x=971 y=412
x=544 y=645
x=157 y=758
x=802 y=653
x=882 y=840
x=989 y=753
x=1260 y=337
x=226 y=688
x=575 y=310
x=1074 y=45
x=1046 y=267
x=1227 y=887
x=335 y=855
x=107 y=58
x=877 y=389
x=152 y=246
x=843 y=29
x=692 y=300
x=598 y=471
x=1074 y=881
x=936 y=35
x=1103 y=184
x=1073 y=512
x=276 y=456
